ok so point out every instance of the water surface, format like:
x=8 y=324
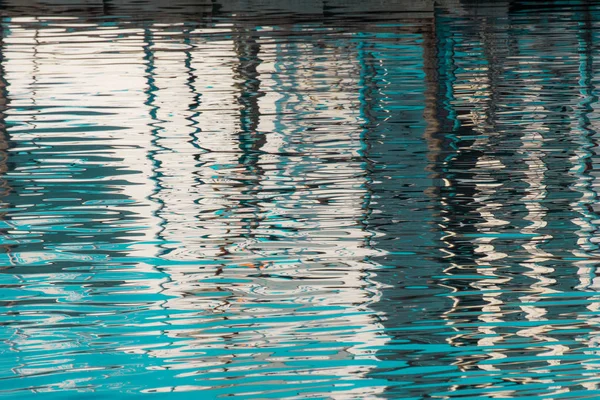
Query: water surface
x=279 y=199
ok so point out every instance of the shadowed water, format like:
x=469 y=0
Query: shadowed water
x=281 y=199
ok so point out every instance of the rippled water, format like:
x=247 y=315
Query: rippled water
x=278 y=199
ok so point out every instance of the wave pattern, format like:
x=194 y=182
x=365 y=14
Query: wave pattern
x=334 y=200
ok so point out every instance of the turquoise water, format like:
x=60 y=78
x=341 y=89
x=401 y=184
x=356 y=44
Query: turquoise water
x=278 y=199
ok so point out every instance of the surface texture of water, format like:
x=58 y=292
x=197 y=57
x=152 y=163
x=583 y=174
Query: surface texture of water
x=282 y=199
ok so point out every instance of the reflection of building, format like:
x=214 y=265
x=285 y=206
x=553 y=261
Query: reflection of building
x=272 y=203
x=506 y=138
x=242 y=233
x=175 y=11
x=78 y=202
x=64 y=143
x=336 y=206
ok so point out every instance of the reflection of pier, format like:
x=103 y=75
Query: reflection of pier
x=260 y=188
x=505 y=226
x=181 y=10
x=5 y=187
x=53 y=126
x=307 y=247
x=248 y=217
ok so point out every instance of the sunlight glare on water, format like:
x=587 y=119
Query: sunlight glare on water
x=278 y=199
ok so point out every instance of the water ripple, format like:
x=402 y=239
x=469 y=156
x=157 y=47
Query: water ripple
x=282 y=200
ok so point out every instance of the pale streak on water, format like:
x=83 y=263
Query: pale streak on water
x=275 y=199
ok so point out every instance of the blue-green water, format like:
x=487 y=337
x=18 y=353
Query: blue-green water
x=278 y=199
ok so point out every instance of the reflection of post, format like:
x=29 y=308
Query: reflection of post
x=487 y=179
x=251 y=140
x=399 y=103
x=552 y=235
x=430 y=66
x=587 y=245
x=482 y=92
x=532 y=154
x=150 y=91
x=247 y=50
x=4 y=185
x=465 y=188
x=584 y=157
x=4 y=138
x=450 y=216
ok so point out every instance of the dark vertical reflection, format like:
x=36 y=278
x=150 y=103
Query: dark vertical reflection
x=403 y=143
x=586 y=171
x=6 y=244
x=5 y=187
x=251 y=139
x=512 y=198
